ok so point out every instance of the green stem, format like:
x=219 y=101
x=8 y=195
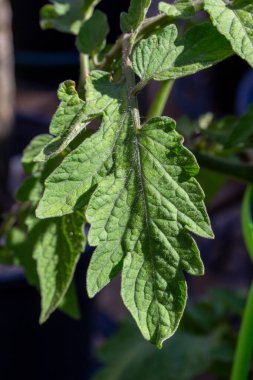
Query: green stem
x=84 y=70
x=242 y=172
x=244 y=349
x=148 y=26
x=160 y=100
x=243 y=354
x=128 y=44
x=247 y=220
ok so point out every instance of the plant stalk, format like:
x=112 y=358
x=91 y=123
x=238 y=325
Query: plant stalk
x=244 y=349
x=243 y=354
x=242 y=172
x=148 y=26
x=160 y=101
x=128 y=43
x=247 y=220
x=84 y=70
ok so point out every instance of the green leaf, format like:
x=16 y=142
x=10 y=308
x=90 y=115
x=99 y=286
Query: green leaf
x=235 y=22
x=130 y=21
x=18 y=250
x=56 y=245
x=30 y=190
x=145 y=202
x=247 y=220
x=72 y=117
x=88 y=163
x=162 y=56
x=14 y=239
x=180 y=8
x=32 y=150
x=92 y=36
x=66 y=15
x=68 y=121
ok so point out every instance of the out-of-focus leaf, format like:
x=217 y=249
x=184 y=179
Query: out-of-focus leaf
x=128 y=357
x=137 y=11
x=204 y=344
x=66 y=15
x=92 y=35
x=180 y=8
x=211 y=182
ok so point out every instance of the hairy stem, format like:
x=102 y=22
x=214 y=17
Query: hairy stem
x=128 y=43
x=84 y=70
x=148 y=26
x=242 y=172
x=160 y=100
x=243 y=354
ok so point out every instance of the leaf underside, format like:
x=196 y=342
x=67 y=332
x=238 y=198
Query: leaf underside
x=180 y=8
x=163 y=56
x=130 y=21
x=235 y=22
x=53 y=246
x=145 y=202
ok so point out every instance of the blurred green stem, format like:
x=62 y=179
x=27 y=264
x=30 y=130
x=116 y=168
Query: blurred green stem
x=244 y=349
x=243 y=353
x=160 y=101
x=240 y=171
x=247 y=221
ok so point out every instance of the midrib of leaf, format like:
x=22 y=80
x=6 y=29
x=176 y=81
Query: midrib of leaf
x=136 y=126
x=147 y=221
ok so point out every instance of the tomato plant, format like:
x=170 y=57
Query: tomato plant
x=133 y=182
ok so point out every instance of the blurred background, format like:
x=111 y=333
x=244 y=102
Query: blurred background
x=32 y=64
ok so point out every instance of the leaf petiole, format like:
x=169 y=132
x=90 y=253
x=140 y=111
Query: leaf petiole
x=160 y=99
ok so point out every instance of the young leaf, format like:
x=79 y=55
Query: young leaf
x=32 y=150
x=234 y=21
x=72 y=117
x=180 y=8
x=136 y=15
x=56 y=245
x=69 y=120
x=92 y=35
x=66 y=15
x=88 y=163
x=162 y=56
